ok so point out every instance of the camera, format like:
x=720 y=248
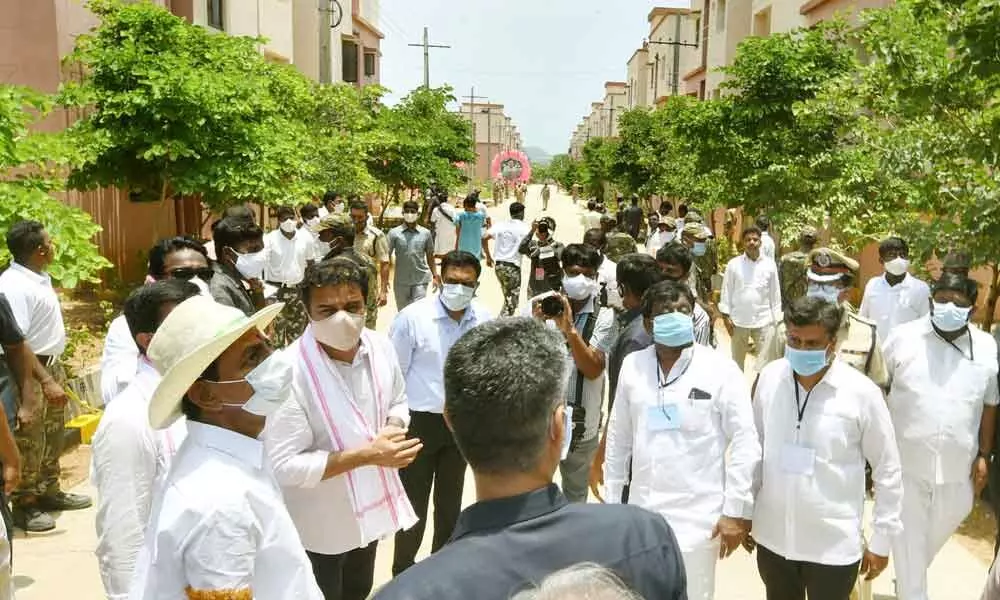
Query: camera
x=543 y=228
x=552 y=306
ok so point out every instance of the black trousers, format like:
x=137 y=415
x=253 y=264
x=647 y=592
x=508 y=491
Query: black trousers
x=347 y=576
x=792 y=579
x=440 y=463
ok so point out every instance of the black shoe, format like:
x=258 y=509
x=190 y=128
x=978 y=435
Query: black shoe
x=64 y=501
x=33 y=520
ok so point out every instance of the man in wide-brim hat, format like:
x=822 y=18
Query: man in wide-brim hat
x=220 y=528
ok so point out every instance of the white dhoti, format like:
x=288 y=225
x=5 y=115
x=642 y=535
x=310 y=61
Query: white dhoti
x=931 y=513
x=699 y=567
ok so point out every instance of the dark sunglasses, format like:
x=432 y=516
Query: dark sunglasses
x=189 y=273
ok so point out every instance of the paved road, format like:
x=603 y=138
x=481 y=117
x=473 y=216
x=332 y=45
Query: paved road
x=61 y=564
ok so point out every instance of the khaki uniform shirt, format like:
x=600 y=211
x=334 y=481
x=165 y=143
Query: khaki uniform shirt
x=857 y=345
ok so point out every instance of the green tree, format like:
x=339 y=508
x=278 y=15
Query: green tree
x=32 y=166
x=419 y=141
x=174 y=109
x=565 y=171
x=595 y=167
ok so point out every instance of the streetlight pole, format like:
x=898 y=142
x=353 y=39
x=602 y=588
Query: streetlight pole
x=426 y=45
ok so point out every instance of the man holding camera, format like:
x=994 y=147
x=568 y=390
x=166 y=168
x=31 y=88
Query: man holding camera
x=545 y=254
x=589 y=330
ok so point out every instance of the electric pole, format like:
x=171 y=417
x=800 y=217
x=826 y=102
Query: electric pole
x=426 y=45
x=472 y=97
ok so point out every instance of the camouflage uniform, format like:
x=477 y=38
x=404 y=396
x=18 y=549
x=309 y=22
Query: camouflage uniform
x=292 y=321
x=40 y=445
x=371 y=304
x=373 y=245
x=619 y=244
x=792 y=276
x=509 y=275
x=705 y=266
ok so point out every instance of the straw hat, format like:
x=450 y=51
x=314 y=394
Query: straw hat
x=192 y=336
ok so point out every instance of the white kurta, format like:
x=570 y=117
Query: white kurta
x=221 y=524
x=129 y=464
x=119 y=360
x=299 y=445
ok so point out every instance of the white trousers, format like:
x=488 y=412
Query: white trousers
x=931 y=513
x=699 y=567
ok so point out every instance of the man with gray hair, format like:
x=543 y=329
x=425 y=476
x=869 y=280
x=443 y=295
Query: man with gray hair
x=585 y=581
x=509 y=421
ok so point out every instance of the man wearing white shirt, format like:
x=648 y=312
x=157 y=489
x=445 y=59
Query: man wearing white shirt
x=507 y=238
x=819 y=420
x=442 y=221
x=178 y=257
x=607 y=276
x=129 y=460
x=751 y=296
x=220 y=528
x=422 y=334
x=897 y=297
x=288 y=249
x=681 y=437
x=591 y=218
x=767 y=246
x=337 y=443
x=943 y=398
x=35 y=305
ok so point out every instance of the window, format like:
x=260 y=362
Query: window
x=720 y=15
x=215 y=15
x=762 y=23
x=350 y=57
x=370 y=64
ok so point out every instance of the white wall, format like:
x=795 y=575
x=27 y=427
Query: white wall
x=784 y=14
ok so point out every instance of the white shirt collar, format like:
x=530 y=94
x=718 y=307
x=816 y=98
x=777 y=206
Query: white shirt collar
x=41 y=278
x=242 y=448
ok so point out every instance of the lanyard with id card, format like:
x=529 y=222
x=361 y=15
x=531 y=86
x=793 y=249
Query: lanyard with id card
x=795 y=458
x=666 y=414
x=544 y=253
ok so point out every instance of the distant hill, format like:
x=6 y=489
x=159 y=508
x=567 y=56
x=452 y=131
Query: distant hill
x=537 y=155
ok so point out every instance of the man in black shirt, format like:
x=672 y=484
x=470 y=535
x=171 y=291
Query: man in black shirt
x=636 y=273
x=511 y=425
x=633 y=218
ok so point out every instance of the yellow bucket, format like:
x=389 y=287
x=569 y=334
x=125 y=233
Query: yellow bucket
x=87 y=421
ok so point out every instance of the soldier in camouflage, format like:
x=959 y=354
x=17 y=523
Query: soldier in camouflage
x=371 y=242
x=698 y=239
x=618 y=243
x=337 y=230
x=792 y=268
x=831 y=276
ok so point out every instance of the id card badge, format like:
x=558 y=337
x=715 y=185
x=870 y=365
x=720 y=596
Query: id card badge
x=539 y=273
x=663 y=417
x=797 y=460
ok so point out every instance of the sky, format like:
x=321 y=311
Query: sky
x=544 y=60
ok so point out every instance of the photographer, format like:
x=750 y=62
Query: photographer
x=589 y=330
x=545 y=254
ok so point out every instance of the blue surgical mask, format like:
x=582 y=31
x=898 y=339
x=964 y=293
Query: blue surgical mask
x=948 y=317
x=673 y=330
x=806 y=362
x=699 y=249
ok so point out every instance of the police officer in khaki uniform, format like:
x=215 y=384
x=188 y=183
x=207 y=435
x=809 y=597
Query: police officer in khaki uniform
x=831 y=276
x=371 y=242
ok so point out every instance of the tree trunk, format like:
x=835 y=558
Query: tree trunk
x=991 y=299
x=162 y=204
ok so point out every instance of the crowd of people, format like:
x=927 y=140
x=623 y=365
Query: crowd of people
x=260 y=437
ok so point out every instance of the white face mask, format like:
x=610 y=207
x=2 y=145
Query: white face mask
x=667 y=236
x=251 y=264
x=271 y=381
x=579 y=287
x=897 y=266
x=340 y=331
x=202 y=286
x=456 y=296
x=288 y=225
x=824 y=292
x=410 y=217
x=312 y=222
